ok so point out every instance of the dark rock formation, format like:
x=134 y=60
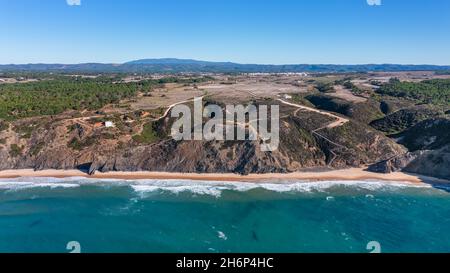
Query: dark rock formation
x=394 y=164
x=430 y=163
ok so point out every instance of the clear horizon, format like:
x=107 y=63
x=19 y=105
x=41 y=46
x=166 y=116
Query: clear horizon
x=350 y=32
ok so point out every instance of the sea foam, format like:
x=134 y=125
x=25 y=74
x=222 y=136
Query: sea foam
x=212 y=188
x=12 y=186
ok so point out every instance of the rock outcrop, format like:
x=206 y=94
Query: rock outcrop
x=434 y=163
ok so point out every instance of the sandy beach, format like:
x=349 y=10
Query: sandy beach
x=356 y=174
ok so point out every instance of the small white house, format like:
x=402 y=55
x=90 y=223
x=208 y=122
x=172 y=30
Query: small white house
x=288 y=97
x=109 y=124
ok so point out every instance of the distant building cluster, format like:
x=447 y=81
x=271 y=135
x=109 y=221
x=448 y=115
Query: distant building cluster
x=301 y=74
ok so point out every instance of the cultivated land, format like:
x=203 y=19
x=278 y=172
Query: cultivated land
x=383 y=121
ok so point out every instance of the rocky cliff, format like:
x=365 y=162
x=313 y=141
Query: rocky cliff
x=429 y=143
x=75 y=144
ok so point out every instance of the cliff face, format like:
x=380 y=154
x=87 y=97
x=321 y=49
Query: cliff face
x=429 y=143
x=435 y=163
x=54 y=144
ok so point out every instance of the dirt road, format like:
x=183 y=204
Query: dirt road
x=339 y=120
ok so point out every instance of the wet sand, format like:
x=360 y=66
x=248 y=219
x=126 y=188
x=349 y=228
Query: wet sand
x=354 y=174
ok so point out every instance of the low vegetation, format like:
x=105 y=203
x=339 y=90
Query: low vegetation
x=430 y=134
x=36 y=149
x=435 y=91
x=325 y=87
x=15 y=150
x=353 y=88
x=78 y=145
x=300 y=99
x=54 y=96
x=404 y=118
x=148 y=135
x=3 y=126
x=362 y=112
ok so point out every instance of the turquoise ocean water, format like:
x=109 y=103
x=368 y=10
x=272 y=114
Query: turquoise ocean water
x=44 y=214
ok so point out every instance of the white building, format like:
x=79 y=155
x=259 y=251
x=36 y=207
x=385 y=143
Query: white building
x=288 y=97
x=109 y=124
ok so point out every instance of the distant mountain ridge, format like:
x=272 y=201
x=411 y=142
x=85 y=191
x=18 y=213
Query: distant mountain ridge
x=173 y=65
x=174 y=61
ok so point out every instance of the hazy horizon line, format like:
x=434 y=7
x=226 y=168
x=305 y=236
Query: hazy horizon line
x=215 y=61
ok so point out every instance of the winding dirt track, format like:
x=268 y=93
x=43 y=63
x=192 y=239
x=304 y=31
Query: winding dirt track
x=169 y=108
x=339 y=120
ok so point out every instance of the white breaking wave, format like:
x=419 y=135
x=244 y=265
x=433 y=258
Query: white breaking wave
x=213 y=188
x=199 y=190
x=29 y=185
x=222 y=235
x=216 y=188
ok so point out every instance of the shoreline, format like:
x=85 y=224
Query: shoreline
x=352 y=174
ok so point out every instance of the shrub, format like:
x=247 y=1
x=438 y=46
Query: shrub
x=15 y=150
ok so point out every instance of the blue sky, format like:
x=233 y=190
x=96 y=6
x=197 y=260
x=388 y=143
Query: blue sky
x=245 y=31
